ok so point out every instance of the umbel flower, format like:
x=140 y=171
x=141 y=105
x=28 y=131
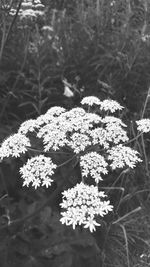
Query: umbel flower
x=82 y=205
x=122 y=156
x=143 y=125
x=78 y=142
x=27 y=126
x=14 y=146
x=38 y=171
x=93 y=164
x=97 y=142
x=90 y=100
x=110 y=105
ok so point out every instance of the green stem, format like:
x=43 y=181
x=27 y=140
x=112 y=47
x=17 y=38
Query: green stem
x=126 y=215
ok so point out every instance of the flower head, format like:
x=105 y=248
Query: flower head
x=111 y=120
x=82 y=205
x=122 y=156
x=78 y=142
x=110 y=105
x=90 y=100
x=94 y=165
x=27 y=126
x=55 y=111
x=116 y=134
x=99 y=136
x=53 y=135
x=38 y=171
x=14 y=145
x=143 y=125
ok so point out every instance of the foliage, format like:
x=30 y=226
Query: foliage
x=54 y=141
x=101 y=46
x=53 y=53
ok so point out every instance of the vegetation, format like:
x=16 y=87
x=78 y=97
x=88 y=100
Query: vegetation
x=54 y=53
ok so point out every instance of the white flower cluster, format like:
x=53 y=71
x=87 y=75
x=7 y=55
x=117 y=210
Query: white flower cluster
x=82 y=205
x=94 y=165
x=111 y=120
x=78 y=142
x=38 y=171
x=56 y=111
x=115 y=134
x=123 y=156
x=97 y=139
x=29 y=9
x=14 y=145
x=110 y=105
x=53 y=136
x=27 y=126
x=99 y=136
x=90 y=100
x=81 y=123
x=106 y=105
x=70 y=129
x=143 y=125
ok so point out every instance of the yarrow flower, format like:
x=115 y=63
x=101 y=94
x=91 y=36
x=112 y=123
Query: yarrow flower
x=82 y=205
x=14 y=145
x=94 y=165
x=143 y=125
x=38 y=171
x=122 y=156
x=90 y=100
x=110 y=105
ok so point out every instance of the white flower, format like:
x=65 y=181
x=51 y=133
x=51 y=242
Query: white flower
x=27 y=4
x=38 y=171
x=116 y=134
x=79 y=120
x=53 y=136
x=110 y=105
x=14 y=145
x=99 y=136
x=27 y=13
x=27 y=126
x=74 y=113
x=43 y=120
x=94 y=165
x=47 y=28
x=91 y=223
x=55 y=111
x=143 y=125
x=90 y=100
x=122 y=156
x=78 y=142
x=82 y=204
x=109 y=120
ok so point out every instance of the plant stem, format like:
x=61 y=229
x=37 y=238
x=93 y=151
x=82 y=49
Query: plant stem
x=126 y=215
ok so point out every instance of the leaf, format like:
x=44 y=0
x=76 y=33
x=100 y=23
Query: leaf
x=30 y=103
x=68 y=92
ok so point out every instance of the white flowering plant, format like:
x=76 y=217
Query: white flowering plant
x=93 y=142
x=29 y=10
